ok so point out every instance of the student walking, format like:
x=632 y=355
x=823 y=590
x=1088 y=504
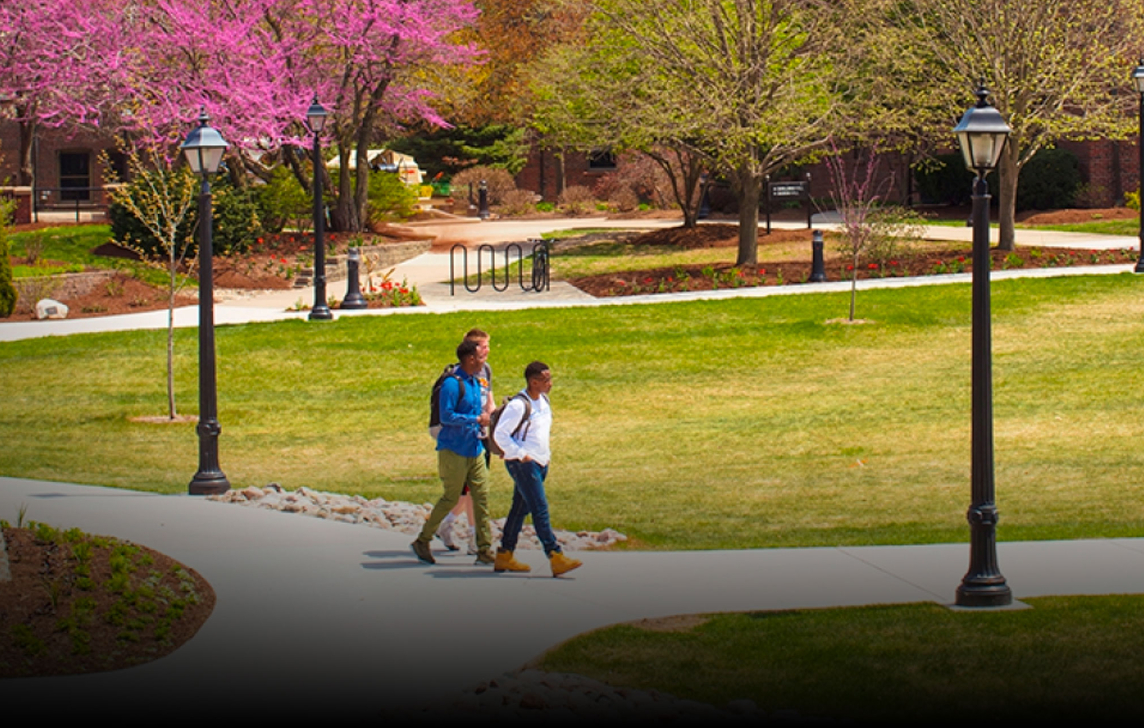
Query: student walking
x=522 y=434
x=460 y=454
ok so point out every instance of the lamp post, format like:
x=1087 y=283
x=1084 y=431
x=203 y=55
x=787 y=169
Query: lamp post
x=982 y=134
x=204 y=148
x=1138 y=80
x=316 y=118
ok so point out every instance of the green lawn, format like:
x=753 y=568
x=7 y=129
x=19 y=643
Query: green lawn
x=1066 y=658
x=731 y=424
x=72 y=245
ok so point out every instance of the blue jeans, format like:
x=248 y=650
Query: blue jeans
x=528 y=497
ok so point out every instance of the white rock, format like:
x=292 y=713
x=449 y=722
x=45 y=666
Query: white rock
x=47 y=308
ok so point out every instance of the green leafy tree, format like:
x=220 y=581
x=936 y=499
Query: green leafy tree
x=1052 y=70
x=749 y=86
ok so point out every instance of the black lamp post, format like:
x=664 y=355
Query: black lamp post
x=982 y=134
x=204 y=148
x=1138 y=80
x=316 y=118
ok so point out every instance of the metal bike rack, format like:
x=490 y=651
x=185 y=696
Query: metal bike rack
x=540 y=267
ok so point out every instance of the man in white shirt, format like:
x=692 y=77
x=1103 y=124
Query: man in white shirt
x=522 y=433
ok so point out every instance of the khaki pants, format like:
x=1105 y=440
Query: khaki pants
x=456 y=471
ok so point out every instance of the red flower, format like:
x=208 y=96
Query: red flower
x=647 y=280
x=849 y=267
x=283 y=260
x=387 y=286
x=762 y=272
x=622 y=283
x=670 y=279
x=404 y=290
x=961 y=259
x=873 y=266
x=260 y=241
x=741 y=274
x=893 y=262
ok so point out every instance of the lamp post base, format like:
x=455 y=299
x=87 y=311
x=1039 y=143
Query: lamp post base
x=984 y=593
x=321 y=313
x=209 y=484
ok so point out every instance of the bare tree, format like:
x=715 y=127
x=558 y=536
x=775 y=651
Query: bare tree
x=161 y=195
x=868 y=224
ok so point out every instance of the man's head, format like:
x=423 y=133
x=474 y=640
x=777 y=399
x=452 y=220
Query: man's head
x=468 y=357
x=539 y=377
x=482 y=340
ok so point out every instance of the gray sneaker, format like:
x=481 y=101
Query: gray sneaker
x=422 y=552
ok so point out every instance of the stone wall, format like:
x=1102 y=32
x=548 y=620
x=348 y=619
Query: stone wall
x=65 y=285
x=379 y=258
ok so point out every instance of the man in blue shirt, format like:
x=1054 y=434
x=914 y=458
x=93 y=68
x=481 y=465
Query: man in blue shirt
x=460 y=454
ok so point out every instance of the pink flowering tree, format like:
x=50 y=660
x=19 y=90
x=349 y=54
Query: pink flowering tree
x=145 y=68
x=60 y=61
x=255 y=66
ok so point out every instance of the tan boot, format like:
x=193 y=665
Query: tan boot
x=506 y=562
x=561 y=564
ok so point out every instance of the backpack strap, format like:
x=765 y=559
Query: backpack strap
x=526 y=419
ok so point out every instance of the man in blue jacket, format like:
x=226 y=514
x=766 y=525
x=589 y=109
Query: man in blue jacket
x=460 y=454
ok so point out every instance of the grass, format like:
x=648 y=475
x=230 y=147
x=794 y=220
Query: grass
x=731 y=424
x=72 y=245
x=1068 y=657
x=1096 y=227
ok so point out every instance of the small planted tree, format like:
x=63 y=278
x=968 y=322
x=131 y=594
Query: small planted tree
x=871 y=229
x=161 y=196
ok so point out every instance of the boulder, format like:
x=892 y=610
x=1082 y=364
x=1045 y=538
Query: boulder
x=47 y=308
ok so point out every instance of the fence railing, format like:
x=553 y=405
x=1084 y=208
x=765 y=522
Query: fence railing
x=77 y=200
x=539 y=280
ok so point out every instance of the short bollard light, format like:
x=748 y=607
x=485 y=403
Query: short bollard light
x=818 y=265
x=484 y=197
x=354 y=299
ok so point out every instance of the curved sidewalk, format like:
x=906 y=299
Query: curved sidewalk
x=317 y=618
x=430 y=272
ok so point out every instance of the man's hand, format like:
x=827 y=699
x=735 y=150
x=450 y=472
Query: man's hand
x=483 y=419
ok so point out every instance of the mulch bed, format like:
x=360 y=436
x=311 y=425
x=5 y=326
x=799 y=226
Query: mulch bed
x=53 y=622
x=934 y=261
x=271 y=264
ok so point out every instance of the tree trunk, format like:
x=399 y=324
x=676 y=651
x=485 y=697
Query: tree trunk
x=748 y=189
x=27 y=138
x=1007 y=175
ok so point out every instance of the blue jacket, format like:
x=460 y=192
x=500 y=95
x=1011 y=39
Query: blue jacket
x=460 y=432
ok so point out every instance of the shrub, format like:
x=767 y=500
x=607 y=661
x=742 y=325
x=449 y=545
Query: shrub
x=518 y=202
x=389 y=198
x=283 y=202
x=944 y=180
x=577 y=200
x=233 y=211
x=8 y=294
x=1132 y=200
x=1049 y=180
x=499 y=181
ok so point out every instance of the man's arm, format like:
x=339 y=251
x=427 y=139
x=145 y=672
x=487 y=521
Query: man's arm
x=447 y=404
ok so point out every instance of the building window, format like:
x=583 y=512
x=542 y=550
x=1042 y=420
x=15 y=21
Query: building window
x=75 y=175
x=601 y=160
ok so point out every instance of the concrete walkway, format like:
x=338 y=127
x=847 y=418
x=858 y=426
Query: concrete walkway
x=317 y=619
x=431 y=272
